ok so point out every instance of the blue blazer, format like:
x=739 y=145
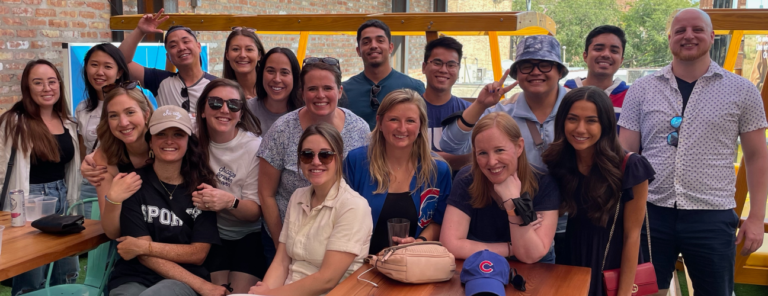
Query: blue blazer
x=430 y=202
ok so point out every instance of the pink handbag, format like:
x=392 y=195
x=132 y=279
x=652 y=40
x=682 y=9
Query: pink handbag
x=414 y=263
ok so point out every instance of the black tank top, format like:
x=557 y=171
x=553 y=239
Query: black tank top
x=125 y=167
x=41 y=172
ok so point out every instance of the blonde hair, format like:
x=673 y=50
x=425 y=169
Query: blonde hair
x=113 y=148
x=481 y=187
x=421 y=150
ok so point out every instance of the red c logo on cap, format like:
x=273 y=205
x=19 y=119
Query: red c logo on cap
x=486 y=266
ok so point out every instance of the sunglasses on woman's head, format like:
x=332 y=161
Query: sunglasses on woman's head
x=307 y=156
x=127 y=85
x=326 y=60
x=243 y=28
x=216 y=103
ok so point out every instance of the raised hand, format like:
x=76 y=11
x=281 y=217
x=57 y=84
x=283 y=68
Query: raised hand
x=91 y=171
x=149 y=22
x=492 y=92
x=508 y=189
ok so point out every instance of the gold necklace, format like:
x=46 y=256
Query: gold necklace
x=170 y=193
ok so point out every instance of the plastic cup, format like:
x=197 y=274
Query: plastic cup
x=47 y=205
x=32 y=207
x=398 y=227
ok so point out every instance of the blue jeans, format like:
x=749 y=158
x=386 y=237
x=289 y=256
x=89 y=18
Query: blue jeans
x=65 y=271
x=87 y=191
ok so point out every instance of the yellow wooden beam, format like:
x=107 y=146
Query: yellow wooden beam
x=302 y=51
x=733 y=50
x=738 y=19
x=431 y=35
x=493 y=41
x=417 y=23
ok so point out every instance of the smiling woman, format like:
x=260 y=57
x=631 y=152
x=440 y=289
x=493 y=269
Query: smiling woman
x=242 y=53
x=277 y=86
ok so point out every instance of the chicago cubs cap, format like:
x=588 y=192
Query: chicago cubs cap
x=485 y=272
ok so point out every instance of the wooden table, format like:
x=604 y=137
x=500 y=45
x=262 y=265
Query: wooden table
x=25 y=248
x=541 y=279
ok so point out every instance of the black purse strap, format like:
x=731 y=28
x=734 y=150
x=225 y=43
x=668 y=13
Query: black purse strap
x=8 y=172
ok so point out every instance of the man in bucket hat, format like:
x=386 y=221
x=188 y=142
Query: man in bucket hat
x=538 y=69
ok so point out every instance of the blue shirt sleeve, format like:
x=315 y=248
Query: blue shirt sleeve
x=459 y=196
x=445 y=185
x=152 y=79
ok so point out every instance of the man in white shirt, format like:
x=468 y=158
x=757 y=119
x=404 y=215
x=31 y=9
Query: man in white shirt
x=687 y=118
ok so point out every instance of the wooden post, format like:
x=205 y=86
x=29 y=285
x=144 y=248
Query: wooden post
x=431 y=35
x=302 y=51
x=733 y=50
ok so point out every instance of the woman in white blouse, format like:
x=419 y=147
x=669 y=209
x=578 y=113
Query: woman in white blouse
x=328 y=225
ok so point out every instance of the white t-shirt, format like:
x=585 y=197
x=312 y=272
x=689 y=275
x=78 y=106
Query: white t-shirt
x=87 y=123
x=237 y=171
x=167 y=86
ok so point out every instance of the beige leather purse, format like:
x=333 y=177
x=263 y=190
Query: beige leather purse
x=414 y=263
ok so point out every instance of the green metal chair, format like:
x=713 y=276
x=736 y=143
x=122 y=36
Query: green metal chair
x=100 y=263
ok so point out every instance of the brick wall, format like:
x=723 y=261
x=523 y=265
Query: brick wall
x=35 y=29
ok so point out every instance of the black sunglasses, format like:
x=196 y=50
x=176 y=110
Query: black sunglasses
x=375 y=89
x=185 y=94
x=674 y=137
x=307 y=156
x=127 y=85
x=216 y=103
x=516 y=280
x=326 y=60
x=527 y=67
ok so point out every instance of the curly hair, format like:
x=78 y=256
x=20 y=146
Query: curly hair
x=194 y=169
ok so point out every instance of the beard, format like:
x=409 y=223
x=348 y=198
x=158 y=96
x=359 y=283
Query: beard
x=678 y=54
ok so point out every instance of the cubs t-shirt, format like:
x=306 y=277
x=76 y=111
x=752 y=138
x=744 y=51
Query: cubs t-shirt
x=436 y=114
x=150 y=212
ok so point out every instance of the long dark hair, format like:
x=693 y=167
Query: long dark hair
x=228 y=72
x=248 y=121
x=602 y=186
x=294 y=102
x=91 y=93
x=25 y=127
x=194 y=168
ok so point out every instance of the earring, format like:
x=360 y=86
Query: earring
x=151 y=154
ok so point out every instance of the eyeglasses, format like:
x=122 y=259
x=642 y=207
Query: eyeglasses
x=527 y=67
x=326 y=60
x=674 y=137
x=517 y=280
x=185 y=94
x=307 y=156
x=216 y=103
x=244 y=28
x=375 y=89
x=450 y=65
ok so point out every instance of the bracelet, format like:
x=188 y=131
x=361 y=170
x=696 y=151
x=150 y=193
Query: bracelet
x=232 y=206
x=112 y=202
x=422 y=238
x=464 y=121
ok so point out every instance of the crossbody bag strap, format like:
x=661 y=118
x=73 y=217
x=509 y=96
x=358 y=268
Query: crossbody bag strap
x=8 y=172
x=616 y=216
x=535 y=134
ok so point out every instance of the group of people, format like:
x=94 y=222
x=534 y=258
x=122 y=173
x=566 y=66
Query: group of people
x=294 y=173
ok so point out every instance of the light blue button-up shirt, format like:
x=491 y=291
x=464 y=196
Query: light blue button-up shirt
x=456 y=141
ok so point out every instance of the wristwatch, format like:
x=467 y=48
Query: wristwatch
x=235 y=204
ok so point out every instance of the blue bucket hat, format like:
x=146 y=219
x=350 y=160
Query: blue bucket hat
x=538 y=47
x=485 y=272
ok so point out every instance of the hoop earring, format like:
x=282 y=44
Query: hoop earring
x=151 y=154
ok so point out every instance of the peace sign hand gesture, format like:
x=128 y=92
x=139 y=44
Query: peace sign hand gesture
x=149 y=22
x=491 y=93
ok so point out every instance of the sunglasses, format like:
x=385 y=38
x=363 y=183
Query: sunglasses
x=216 y=103
x=674 y=137
x=325 y=157
x=185 y=94
x=375 y=89
x=517 y=280
x=127 y=85
x=326 y=60
x=244 y=28
x=527 y=67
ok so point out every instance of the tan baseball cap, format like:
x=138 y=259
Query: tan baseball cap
x=170 y=116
